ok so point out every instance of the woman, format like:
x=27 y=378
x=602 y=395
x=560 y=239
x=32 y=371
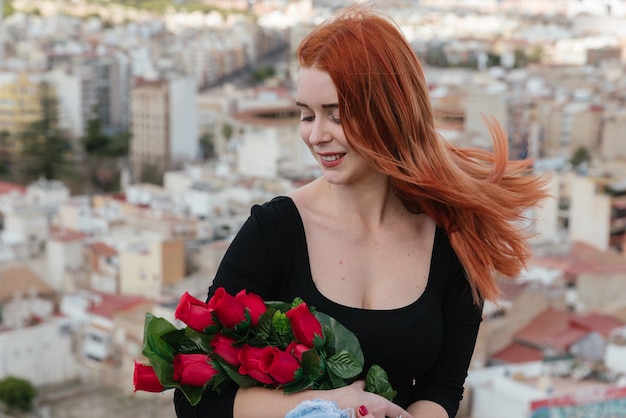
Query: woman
x=400 y=237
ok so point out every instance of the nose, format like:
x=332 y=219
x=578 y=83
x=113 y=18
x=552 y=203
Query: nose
x=318 y=133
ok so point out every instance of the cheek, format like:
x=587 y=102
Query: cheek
x=305 y=134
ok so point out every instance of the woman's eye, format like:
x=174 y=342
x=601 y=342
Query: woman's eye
x=335 y=119
x=306 y=118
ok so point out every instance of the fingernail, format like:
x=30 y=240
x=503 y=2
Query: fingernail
x=363 y=410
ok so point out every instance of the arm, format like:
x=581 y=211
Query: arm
x=258 y=260
x=427 y=409
x=258 y=402
x=440 y=391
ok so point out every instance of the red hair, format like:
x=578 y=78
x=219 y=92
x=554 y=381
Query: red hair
x=476 y=196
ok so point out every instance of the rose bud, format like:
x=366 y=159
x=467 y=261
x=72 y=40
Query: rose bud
x=194 y=313
x=146 y=379
x=304 y=325
x=278 y=364
x=254 y=303
x=223 y=347
x=296 y=349
x=229 y=310
x=193 y=369
x=250 y=358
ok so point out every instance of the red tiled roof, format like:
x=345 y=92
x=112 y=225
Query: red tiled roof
x=552 y=328
x=510 y=290
x=23 y=280
x=517 y=353
x=110 y=304
x=603 y=324
x=66 y=235
x=582 y=258
x=560 y=329
x=6 y=188
x=100 y=248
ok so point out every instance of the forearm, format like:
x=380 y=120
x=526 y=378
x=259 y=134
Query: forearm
x=427 y=409
x=257 y=402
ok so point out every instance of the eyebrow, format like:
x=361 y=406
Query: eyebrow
x=324 y=106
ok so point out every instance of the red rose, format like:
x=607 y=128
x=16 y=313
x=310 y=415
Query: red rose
x=304 y=325
x=194 y=313
x=254 y=303
x=280 y=365
x=223 y=347
x=296 y=349
x=229 y=310
x=250 y=358
x=145 y=378
x=193 y=369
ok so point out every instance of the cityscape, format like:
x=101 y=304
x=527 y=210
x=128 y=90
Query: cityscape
x=136 y=135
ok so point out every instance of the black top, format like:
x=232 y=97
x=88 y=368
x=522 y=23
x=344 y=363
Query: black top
x=425 y=347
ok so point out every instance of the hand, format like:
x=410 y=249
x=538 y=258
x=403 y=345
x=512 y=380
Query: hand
x=374 y=406
x=363 y=412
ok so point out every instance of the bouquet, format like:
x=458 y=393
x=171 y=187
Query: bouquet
x=247 y=341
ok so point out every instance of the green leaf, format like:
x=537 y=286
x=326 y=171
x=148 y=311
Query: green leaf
x=300 y=383
x=340 y=338
x=199 y=340
x=192 y=393
x=377 y=382
x=241 y=380
x=344 y=364
x=278 y=305
x=154 y=346
x=311 y=365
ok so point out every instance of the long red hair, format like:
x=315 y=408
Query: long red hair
x=477 y=196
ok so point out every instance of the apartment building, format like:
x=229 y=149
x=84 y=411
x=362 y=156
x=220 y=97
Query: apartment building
x=164 y=125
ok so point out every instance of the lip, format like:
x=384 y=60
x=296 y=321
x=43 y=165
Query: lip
x=330 y=163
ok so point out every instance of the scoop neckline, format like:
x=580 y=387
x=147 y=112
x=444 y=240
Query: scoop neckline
x=311 y=283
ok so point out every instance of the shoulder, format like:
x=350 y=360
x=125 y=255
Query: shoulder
x=276 y=215
x=278 y=206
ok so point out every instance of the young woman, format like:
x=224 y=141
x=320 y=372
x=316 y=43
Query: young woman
x=399 y=239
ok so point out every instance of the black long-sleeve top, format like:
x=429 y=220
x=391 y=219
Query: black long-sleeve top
x=425 y=347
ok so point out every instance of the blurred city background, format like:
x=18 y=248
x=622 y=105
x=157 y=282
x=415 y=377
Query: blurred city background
x=136 y=135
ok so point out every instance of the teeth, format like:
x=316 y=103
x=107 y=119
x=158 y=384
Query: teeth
x=332 y=157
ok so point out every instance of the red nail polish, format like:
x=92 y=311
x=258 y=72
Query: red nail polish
x=363 y=410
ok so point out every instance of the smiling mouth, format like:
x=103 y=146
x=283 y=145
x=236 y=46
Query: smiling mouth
x=331 y=157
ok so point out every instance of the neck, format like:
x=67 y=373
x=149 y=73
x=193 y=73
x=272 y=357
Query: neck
x=371 y=204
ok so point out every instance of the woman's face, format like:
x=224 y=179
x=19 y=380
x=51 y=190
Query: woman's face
x=321 y=130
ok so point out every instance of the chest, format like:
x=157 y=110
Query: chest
x=383 y=269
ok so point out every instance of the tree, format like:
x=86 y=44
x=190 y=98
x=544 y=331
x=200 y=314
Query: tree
x=5 y=159
x=581 y=156
x=17 y=393
x=227 y=131
x=103 y=152
x=45 y=147
x=207 y=142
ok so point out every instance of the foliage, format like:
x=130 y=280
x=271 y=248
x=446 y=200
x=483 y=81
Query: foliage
x=581 y=156
x=207 y=142
x=45 y=147
x=17 y=393
x=8 y=8
x=96 y=143
x=259 y=74
x=228 y=131
x=246 y=341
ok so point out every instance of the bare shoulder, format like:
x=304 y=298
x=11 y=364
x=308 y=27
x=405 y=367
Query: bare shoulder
x=304 y=197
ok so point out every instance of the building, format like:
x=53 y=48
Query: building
x=32 y=333
x=269 y=144
x=597 y=211
x=164 y=125
x=20 y=101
